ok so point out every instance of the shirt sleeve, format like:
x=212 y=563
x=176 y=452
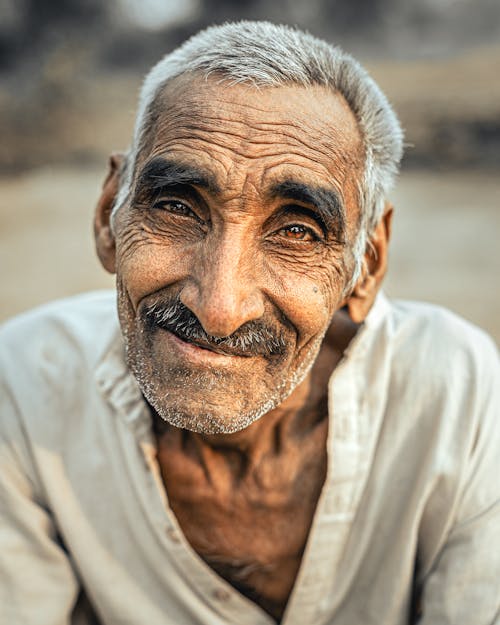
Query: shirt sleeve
x=463 y=586
x=37 y=583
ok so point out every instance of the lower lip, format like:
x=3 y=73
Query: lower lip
x=199 y=355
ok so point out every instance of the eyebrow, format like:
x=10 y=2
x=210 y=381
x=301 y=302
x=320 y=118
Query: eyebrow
x=326 y=202
x=162 y=173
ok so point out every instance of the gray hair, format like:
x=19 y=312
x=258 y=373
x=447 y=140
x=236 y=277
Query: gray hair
x=268 y=55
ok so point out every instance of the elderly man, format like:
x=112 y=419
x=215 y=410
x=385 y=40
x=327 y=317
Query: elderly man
x=259 y=435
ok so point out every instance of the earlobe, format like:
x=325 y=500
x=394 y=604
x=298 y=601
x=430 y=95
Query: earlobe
x=103 y=233
x=373 y=270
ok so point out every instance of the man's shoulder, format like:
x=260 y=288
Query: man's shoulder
x=60 y=335
x=439 y=344
x=439 y=387
x=436 y=325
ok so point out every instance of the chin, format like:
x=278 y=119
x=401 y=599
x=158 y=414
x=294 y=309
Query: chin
x=208 y=404
x=215 y=404
x=212 y=422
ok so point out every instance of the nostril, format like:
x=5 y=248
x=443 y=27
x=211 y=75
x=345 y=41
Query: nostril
x=221 y=312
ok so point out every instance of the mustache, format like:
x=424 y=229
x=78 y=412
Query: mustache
x=253 y=338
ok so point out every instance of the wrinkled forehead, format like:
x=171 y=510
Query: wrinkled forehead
x=314 y=114
x=308 y=134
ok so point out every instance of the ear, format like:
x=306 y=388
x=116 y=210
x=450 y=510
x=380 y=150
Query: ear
x=373 y=270
x=104 y=237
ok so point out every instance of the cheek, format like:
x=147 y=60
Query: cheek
x=146 y=263
x=308 y=296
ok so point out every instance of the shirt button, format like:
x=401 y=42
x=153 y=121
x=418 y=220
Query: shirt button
x=173 y=534
x=221 y=594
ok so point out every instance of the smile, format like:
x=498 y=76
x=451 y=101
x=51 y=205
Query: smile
x=255 y=338
x=200 y=352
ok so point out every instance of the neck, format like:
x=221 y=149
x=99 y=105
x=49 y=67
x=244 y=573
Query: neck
x=297 y=413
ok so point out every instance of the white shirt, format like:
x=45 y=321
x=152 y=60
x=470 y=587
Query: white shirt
x=411 y=499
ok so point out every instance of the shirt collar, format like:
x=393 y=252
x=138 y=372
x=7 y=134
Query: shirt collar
x=117 y=383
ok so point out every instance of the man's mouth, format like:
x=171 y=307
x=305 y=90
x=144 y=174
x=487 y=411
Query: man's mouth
x=211 y=347
x=254 y=338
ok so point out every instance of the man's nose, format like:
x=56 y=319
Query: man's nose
x=223 y=289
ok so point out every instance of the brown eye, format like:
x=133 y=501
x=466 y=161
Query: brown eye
x=173 y=206
x=298 y=233
x=176 y=207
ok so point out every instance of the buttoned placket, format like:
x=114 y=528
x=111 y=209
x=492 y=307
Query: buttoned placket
x=353 y=430
x=223 y=598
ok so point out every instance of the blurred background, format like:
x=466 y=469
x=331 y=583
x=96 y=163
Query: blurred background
x=70 y=71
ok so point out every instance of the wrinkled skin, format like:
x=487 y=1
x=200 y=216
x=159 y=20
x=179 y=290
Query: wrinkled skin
x=235 y=255
x=242 y=434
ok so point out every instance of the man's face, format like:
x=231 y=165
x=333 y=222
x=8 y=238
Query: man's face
x=234 y=249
